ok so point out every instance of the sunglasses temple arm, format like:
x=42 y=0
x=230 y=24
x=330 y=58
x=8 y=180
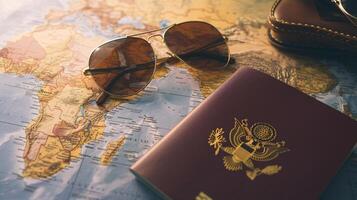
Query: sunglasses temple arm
x=167 y=60
x=119 y=69
x=104 y=95
x=208 y=46
x=210 y=55
x=123 y=69
x=352 y=20
x=101 y=98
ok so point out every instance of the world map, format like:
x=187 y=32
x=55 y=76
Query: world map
x=56 y=143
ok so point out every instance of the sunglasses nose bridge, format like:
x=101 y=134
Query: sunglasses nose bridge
x=155 y=35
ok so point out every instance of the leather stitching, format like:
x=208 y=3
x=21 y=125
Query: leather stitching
x=292 y=44
x=307 y=33
x=316 y=27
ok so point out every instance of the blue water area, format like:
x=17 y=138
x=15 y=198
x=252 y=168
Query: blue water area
x=18 y=106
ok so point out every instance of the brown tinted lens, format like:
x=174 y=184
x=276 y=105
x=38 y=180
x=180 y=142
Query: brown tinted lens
x=134 y=61
x=199 y=44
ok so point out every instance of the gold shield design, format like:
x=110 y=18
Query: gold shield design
x=248 y=144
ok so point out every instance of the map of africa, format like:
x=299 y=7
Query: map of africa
x=55 y=143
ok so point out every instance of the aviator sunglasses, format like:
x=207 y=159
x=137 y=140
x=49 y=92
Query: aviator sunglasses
x=348 y=8
x=125 y=66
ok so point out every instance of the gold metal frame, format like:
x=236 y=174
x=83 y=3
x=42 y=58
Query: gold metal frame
x=157 y=62
x=350 y=17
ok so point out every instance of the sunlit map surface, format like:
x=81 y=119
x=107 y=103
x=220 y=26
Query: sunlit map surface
x=55 y=143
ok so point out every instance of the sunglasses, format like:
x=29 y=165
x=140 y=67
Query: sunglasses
x=348 y=8
x=125 y=66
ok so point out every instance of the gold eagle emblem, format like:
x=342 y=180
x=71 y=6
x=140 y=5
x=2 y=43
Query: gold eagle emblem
x=255 y=143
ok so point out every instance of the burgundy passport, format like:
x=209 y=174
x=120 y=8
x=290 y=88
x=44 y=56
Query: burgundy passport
x=254 y=138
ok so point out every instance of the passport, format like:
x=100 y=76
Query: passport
x=253 y=138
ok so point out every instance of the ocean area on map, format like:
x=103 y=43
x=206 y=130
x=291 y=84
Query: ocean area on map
x=343 y=96
x=19 y=105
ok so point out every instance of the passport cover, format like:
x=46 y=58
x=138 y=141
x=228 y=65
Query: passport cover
x=254 y=138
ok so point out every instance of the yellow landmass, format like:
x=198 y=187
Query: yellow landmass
x=111 y=150
x=50 y=159
x=56 y=152
x=309 y=79
x=314 y=79
x=210 y=80
x=161 y=72
x=305 y=74
x=68 y=102
x=6 y=65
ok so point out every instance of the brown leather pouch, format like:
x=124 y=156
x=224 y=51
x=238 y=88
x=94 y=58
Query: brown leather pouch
x=311 y=25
